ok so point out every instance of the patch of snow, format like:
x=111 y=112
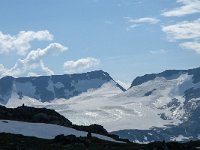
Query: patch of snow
x=125 y=85
x=42 y=130
x=180 y=138
x=28 y=101
x=50 y=87
x=59 y=85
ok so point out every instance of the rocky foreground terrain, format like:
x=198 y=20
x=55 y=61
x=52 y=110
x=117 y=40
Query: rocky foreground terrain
x=10 y=141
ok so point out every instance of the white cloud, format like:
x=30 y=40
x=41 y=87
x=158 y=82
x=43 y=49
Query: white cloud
x=37 y=54
x=21 y=42
x=140 y=21
x=32 y=62
x=45 y=68
x=186 y=30
x=191 y=45
x=183 y=30
x=131 y=27
x=160 y=51
x=2 y=69
x=80 y=64
x=188 y=7
x=147 y=20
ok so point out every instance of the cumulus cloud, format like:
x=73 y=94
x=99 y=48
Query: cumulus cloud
x=37 y=54
x=147 y=20
x=183 y=30
x=33 y=61
x=21 y=42
x=191 y=45
x=187 y=7
x=80 y=64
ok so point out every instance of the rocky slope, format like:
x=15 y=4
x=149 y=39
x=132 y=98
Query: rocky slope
x=61 y=142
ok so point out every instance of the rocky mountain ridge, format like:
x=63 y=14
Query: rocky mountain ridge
x=48 y=88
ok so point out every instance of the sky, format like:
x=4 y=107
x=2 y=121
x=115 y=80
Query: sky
x=126 y=38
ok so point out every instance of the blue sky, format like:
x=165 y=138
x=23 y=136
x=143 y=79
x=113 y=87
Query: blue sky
x=126 y=38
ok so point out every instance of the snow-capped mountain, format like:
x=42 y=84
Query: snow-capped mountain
x=48 y=88
x=163 y=106
x=175 y=96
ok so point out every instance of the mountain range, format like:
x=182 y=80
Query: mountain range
x=162 y=106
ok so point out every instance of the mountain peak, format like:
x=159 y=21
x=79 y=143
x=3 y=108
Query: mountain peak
x=48 y=88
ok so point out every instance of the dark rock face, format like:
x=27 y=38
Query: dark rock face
x=92 y=129
x=173 y=103
x=47 y=88
x=5 y=89
x=192 y=93
x=149 y=93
